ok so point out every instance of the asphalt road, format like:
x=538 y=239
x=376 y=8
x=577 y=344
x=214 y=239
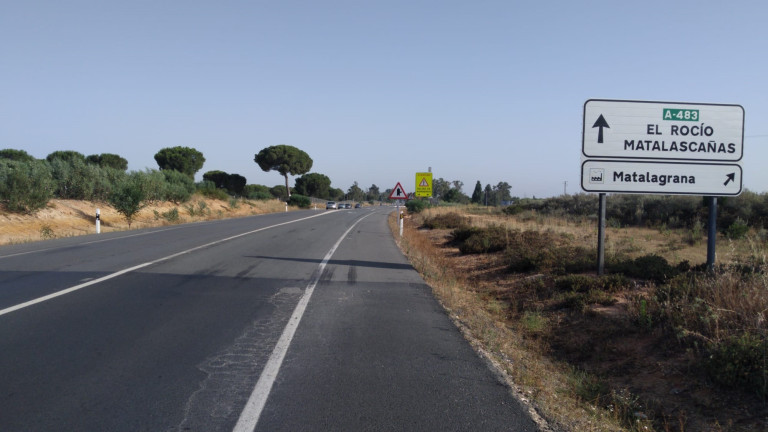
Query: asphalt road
x=300 y=321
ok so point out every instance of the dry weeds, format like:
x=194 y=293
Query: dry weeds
x=593 y=369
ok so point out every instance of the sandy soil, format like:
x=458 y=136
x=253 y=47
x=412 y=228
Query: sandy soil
x=67 y=218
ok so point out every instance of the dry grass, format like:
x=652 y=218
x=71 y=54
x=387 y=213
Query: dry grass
x=68 y=218
x=599 y=366
x=534 y=375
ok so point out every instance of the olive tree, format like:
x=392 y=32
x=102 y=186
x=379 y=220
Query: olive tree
x=25 y=186
x=129 y=197
x=284 y=159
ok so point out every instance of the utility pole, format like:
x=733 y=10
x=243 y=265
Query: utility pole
x=565 y=186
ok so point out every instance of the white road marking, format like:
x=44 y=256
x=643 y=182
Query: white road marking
x=134 y=268
x=255 y=405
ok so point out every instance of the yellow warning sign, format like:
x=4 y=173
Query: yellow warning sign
x=424 y=184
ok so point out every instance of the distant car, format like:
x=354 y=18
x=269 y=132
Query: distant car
x=347 y=205
x=358 y=205
x=330 y=205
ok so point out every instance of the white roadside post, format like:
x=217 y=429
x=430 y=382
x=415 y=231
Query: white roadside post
x=98 y=221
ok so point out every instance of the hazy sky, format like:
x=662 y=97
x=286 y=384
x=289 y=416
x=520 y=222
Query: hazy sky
x=374 y=91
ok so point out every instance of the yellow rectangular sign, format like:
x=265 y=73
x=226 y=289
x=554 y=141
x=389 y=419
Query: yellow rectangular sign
x=424 y=184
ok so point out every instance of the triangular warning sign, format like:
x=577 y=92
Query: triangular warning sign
x=398 y=193
x=423 y=182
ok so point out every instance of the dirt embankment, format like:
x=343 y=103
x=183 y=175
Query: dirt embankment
x=67 y=218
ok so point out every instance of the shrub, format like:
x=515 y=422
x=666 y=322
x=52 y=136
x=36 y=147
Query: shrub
x=153 y=183
x=486 y=240
x=648 y=267
x=740 y=363
x=129 y=197
x=73 y=177
x=171 y=215
x=537 y=251
x=737 y=230
x=258 y=192
x=261 y=196
x=461 y=234
x=208 y=189
x=299 y=201
x=179 y=187
x=416 y=206
x=446 y=221
x=584 y=283
x=25 y=187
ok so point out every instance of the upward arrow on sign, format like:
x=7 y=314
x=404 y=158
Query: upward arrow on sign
x=600 y=123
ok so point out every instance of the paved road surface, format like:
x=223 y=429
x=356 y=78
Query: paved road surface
x=300 y=321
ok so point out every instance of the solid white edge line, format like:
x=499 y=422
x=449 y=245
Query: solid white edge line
x=134 y=268
x=249 y=418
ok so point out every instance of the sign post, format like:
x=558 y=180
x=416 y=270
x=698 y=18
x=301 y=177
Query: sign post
x=398 y=193
x=667 y=148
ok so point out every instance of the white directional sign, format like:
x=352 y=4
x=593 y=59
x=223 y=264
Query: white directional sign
x=670 y=148
x=616 y=129
x=654 y=177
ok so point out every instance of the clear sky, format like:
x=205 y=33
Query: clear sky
x=374 y=91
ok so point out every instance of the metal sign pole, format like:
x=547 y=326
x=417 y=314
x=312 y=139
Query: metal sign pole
x=601 y=237
x=712 y=233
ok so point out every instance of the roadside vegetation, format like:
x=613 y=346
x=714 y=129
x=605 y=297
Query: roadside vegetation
x=656 y=344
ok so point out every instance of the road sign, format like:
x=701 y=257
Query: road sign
x=654 y=177
x=398 y=193
x=424 y=184
x=617 y=129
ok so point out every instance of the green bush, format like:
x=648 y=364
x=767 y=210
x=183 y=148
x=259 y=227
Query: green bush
x=648 y=267
x=446 y=221
x=128 y=198
x=737 y=230
x=416 y=206
x=538 y=251
x=25 y=187
x=171 y=215
x=461 y=234
x=585 y=283
x=740 y=363
x=486 y=240
x=73 y=177
x=208 y=189
x=299 y=201
x=261 y=196
x=179 y=187
x=258 y=192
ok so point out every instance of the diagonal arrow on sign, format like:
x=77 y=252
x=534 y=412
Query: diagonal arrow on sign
x=730 y=177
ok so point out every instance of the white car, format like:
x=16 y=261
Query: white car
x=330 y=205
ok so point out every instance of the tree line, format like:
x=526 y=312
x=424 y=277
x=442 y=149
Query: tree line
x=734 y=214
x=27 y=183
